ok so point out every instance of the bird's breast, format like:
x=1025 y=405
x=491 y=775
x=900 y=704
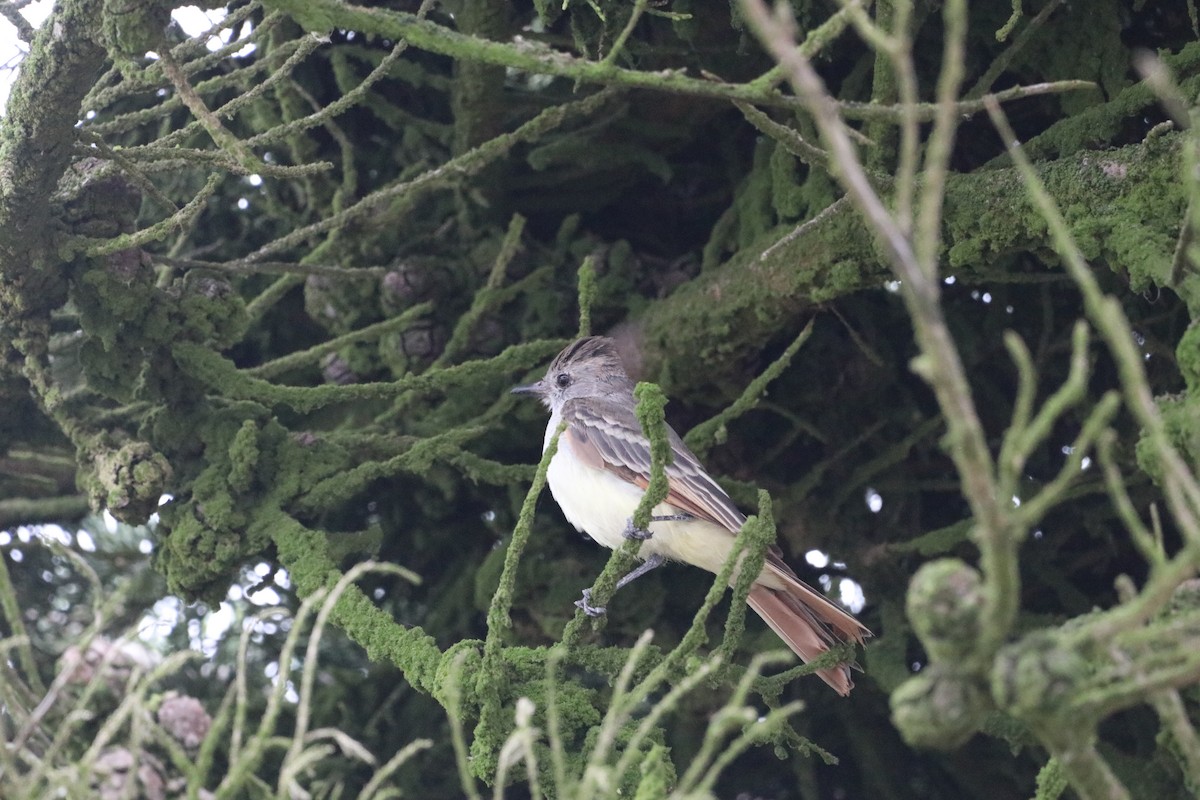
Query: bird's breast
x=601 y=504
x=594 y=500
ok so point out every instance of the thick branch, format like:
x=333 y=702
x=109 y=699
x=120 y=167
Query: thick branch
x=36 y=142
x=987 y=215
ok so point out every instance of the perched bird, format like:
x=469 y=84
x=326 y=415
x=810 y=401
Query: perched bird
x=602 y=468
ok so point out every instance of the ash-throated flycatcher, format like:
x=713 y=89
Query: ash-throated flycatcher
x=602 y=468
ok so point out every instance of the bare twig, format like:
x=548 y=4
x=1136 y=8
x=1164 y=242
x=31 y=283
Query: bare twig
x=939 y=363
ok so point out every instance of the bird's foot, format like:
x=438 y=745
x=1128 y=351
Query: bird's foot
x=585 y=604
x=632 y=532
x=642 y=535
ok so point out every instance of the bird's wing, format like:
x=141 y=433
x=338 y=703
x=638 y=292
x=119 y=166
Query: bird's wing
x=606 y=435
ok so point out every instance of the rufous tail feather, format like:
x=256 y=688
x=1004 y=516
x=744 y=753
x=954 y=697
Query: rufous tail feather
x=809 y=624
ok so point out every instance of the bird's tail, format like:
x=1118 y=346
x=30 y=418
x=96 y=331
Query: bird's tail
x=809 y=623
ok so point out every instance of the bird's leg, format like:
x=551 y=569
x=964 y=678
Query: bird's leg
x=650 y=563
x=637 y=533
x=653 y=562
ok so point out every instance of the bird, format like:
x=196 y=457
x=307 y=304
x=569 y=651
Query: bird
x=601 y=470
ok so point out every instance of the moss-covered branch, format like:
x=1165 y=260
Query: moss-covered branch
x=321 y=16
x=274 y=294
x=1127 y=201
x=1060 y=682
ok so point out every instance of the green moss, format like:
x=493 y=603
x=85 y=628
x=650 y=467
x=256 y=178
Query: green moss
x=819 y=191
x=1051 y=782
x=207 y=310
x=1102 y=123
x=126 y=318
x=755 y=214
x=842 y=278
x=132 y=27
x=787 y=195
x=210 y=530
x=128 y=480
x=1181 y=417
x=310 y=16
x=243 y=457
x=657 y=774
x=197 y=560
x=303 y=552
x=1144 y=254
x=111 y=299
x=651 y=408
x=965 y=253
x=753 y=292
x=1083 y=42
x=112 y=372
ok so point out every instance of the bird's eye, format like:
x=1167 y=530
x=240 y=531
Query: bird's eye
x=563 y=380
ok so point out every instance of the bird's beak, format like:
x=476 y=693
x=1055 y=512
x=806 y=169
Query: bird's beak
x=531 y=388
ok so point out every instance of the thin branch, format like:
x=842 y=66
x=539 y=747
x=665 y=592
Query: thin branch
x=928 y=240
x=279 y=366
x=11 y=12
x=271 y=267
x=1179 y=484
x=928 y=112
x=526 y=56
x=635 y=14
x=181 y=219
x=1001 y=62
x=457 y=168
x=825 y=214
x=790 y=138
x=704 y=435
x=939 y=363
x=221 y=135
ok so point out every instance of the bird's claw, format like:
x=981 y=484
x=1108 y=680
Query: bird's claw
x=632 y=532
x=585 y=604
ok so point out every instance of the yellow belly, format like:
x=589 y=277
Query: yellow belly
x=600 y=504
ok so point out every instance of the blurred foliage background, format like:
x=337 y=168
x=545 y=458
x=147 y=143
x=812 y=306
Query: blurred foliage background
x=282 y=272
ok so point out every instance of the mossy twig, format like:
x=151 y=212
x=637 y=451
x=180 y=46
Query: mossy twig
x=15 y=622
x=486 y=297
x=587 y=294
x=651 y=403
x=450 y=172
x=283 y=364
x=1179 y=484
x=713 y=431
